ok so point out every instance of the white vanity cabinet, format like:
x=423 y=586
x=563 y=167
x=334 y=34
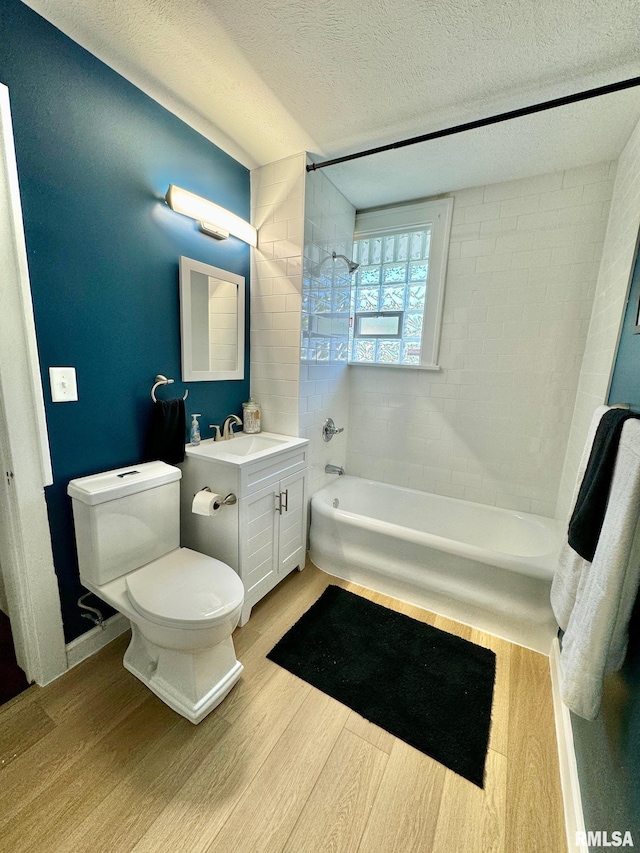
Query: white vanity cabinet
x=263 y=535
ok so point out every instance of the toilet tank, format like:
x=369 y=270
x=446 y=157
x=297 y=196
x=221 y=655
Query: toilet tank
x=125 y=518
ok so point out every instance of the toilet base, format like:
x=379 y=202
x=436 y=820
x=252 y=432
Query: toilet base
x=191 y=683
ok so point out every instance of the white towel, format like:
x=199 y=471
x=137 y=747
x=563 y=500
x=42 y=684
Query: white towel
x=592 y=602
x=571 y=565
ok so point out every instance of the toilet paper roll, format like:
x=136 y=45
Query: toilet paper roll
x=206 y=503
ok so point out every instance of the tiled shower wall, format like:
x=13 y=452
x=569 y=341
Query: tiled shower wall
x=324 y=390
x=608 y=311
x=492 y=425
x=277 y=202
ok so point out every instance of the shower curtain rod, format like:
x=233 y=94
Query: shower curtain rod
x=483 y=122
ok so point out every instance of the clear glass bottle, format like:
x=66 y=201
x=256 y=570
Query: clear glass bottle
x=251 y=416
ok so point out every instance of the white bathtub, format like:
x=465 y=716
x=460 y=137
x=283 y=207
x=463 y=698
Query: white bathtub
x=485 y=566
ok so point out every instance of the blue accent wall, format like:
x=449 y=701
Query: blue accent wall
x=95 y=157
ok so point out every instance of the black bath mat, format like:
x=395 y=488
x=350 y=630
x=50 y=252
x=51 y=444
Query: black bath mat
x=428 y=688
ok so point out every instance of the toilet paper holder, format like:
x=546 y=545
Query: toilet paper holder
x=230 y=499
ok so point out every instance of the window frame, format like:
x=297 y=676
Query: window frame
x=375 y=315
x=381 y=222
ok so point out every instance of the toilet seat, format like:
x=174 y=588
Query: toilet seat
x=185 y=589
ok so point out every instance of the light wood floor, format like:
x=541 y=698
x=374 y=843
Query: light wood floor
x=95 y=762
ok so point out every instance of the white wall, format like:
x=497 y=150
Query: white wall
x=324 y=388
x=608 y=311
x=493 y=424
x=277 y=202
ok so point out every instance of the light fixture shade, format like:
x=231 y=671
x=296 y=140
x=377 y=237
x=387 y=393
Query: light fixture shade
x=202 y=210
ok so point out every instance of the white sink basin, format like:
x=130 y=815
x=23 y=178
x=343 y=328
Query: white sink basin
x=244 y=445
x=244 y=448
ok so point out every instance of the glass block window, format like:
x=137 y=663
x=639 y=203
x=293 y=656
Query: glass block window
x=398 y=289
x=397 y=300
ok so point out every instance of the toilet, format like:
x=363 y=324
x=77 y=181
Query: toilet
x=182 y=605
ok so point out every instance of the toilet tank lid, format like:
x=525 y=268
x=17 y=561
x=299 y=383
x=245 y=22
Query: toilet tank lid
x=109 y=485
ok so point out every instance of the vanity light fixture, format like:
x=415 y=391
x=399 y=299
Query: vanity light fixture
x=213 y=220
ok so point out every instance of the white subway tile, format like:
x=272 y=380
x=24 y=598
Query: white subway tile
x=481 y=212
x=543 y=220
x=449 y=490
x=500 y=192
x=533 y=259
x=549 y=237
x=598 y=192
x=263 y=176
x=504 y=311
x=286 y=320
x=586 y=174
x=477 y=248
x=294 y=265
x=561 y=255
x=270 y=269
x=293 y=302
x=465 y=198
x=514 y=243
x=273 y=304
x=461 y=266
x=569 y=197
x=290 y=168
x=519 y=504
x=526 y=295
x=287 y=249
x=465 y=231
x=594 y=212
x=489 y=296
x=541 y=183
x=519 y=206
x=485 y=331
x=289 y=208
x=493 y=263
x=504 y=225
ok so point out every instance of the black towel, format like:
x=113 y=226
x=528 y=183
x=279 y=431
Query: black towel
x=167 y=432
x=591 y=504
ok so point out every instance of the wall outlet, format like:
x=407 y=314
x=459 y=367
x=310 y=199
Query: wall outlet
x=64 y=388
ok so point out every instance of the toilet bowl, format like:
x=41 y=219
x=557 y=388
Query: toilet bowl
x=183 y=606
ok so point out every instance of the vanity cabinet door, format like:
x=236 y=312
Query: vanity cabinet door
x=292 y=523
x=259 y=543
x=272 y=536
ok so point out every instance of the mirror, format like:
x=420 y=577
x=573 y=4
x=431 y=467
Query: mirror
x=211 y=321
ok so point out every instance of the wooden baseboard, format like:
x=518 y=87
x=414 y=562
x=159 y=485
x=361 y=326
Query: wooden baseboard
x=95 y=639
x=569 y=780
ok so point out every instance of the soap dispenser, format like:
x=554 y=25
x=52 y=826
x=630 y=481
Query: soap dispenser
x=195 y=429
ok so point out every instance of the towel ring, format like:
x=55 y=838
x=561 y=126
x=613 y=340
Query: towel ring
x=162 y=380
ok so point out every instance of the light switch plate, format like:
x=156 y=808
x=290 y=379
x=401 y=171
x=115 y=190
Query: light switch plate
x=64 y=388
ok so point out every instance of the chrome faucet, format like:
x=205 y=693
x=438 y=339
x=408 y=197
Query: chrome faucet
x=333 y=469
x=228 y=425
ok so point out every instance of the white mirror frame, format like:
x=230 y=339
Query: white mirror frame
x=189 y=374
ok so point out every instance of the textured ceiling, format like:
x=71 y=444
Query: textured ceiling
x=268 y=78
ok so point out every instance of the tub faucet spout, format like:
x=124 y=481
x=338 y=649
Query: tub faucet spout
x=333 y=469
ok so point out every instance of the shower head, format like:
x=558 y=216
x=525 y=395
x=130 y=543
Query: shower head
x=352 y=265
